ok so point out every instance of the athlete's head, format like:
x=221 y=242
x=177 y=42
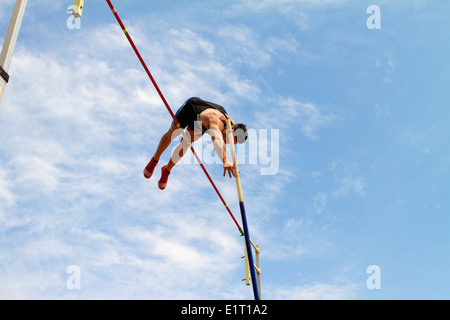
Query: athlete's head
x=240 y=133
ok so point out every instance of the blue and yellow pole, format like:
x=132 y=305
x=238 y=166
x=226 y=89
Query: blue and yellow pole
x=248 y=244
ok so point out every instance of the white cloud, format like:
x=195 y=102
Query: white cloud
x=308 y=115
x=6 y=196
x=243 y=43
x=300 y=18
x=346 y=177
x=319 y=203
x=349 y=185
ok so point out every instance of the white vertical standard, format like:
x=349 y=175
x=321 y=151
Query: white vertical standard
x=78 y=8
x=10 y=42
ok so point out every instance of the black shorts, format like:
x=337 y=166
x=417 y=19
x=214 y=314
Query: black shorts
x=188 y=113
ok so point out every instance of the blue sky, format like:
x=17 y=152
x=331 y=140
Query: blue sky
x=357 y=134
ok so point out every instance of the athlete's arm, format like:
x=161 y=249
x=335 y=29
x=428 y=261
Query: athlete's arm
x=221 y=150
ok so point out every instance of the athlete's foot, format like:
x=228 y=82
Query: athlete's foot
x=148 y=171
x=162 y=184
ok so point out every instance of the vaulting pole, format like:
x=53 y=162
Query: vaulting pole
x=248 y=243
x=170 y=110
x=10 y=43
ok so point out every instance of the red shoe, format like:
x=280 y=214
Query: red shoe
x=148 y=171
x=162 y=184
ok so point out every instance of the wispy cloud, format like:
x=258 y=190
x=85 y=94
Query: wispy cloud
x=6 y=196
x=350 y=186
x=307 y=114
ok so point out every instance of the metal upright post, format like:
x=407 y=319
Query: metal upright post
x=10 y=42
x=258 y=269
x=247 y=266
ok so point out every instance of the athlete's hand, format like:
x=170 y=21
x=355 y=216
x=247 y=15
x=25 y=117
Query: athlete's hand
x=228 y=167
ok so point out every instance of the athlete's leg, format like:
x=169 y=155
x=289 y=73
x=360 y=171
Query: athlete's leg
x=166 y=139
x=178 y=153
x=181 y=149
x=164 y=143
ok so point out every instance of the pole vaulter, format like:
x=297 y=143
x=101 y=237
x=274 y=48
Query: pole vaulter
x=244 y=232
x=170 y=110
